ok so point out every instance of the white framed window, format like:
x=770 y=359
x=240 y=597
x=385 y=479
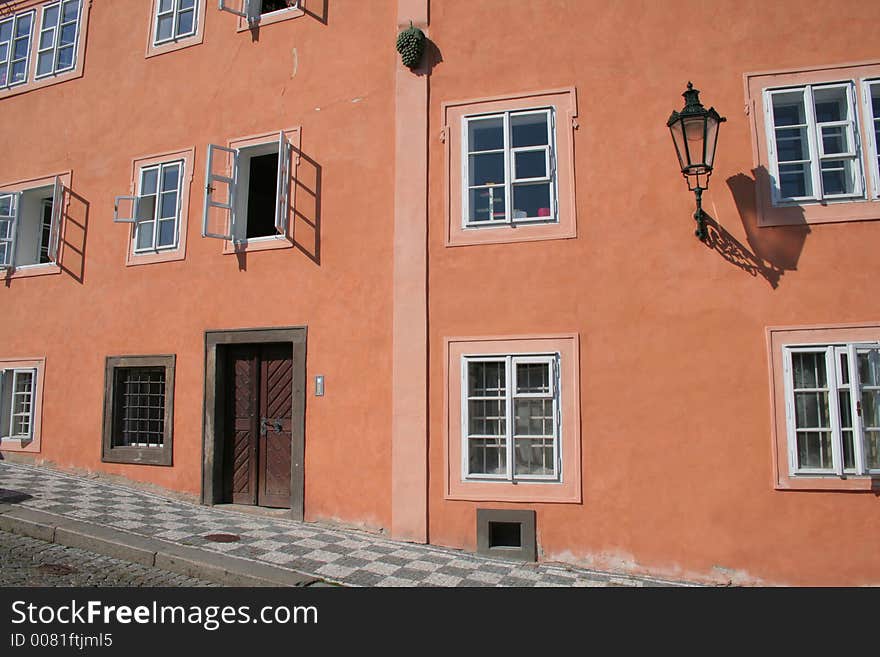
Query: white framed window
x=813 y=140
x=59 y=34
x=175 y=19
x=872 y=112
x=832 y=397
x=247 y=191
x=155 y=209
x=508 y=168
x=30 y=225
x=17 y=403
x=510 y=423
x=15 y=48
x=254 y=10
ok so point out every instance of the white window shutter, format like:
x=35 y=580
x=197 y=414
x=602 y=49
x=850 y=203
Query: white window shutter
x=57 y=216
x=226 y=5
x=9 y=212
x=282 y=199
x=217 y=218
x=125 y=209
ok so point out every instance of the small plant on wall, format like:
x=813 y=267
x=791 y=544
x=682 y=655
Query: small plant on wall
x=411 y=46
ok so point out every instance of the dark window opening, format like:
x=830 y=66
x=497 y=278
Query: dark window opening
x=262 y=195
x=505 y=534
x=267 y=6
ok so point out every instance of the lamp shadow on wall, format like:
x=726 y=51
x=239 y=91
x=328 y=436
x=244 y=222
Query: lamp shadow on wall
x=771 y=250
x=306 y=228
x=73 y=237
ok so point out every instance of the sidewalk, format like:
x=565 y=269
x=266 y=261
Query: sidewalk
x=145 y=528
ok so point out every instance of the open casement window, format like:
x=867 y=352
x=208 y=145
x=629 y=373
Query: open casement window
x=813 y=143
x=9 y=211
x=253 y=9
x=510 y=418
x=872 y=106
x=155 y=211
x=219 y=192
x=508 y=168
x=17 y=395
x=54 y=213
x=242 y=202
x=833 y=409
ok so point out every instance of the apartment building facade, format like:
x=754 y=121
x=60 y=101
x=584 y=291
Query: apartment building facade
x=251 y=257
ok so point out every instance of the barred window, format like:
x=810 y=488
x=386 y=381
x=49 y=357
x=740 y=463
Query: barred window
x=138 y=409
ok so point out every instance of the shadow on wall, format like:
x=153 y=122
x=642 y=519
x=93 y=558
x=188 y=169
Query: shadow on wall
x=772 y=250
x=306 y=229
x=73 y=237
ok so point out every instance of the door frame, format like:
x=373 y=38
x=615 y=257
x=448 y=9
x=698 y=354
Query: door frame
x=214 y=417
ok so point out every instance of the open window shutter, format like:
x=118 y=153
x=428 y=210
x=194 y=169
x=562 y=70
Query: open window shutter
x=282 y=198
x=9 y=213
x=125 y=209
x=219 y=193
x=57 y=215
x=250 y=9
x=225 y=5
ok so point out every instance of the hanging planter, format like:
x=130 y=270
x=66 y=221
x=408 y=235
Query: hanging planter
x=411 y=46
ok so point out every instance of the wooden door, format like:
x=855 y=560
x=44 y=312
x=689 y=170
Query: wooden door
x=243 y=440
x=260 y=394
x=276 y=405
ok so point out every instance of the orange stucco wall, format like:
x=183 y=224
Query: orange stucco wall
x=337 y=282
x=674 y=392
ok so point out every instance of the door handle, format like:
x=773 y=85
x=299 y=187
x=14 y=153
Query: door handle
x=277 y=426
x=264 y=426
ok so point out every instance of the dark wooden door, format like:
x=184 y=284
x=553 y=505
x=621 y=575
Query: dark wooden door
x=259 y=441
x=276 y=404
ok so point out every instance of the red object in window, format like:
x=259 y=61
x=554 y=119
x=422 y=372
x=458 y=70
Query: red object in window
x=543 y=212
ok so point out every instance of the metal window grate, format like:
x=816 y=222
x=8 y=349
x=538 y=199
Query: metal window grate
x=140 y=407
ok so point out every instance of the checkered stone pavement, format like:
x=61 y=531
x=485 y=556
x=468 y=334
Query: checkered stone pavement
x=343 y=556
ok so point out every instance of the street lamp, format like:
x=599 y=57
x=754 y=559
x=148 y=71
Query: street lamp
x=695 y=134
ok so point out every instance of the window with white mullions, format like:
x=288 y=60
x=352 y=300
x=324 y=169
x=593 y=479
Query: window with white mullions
x=9 y=204
x=508 y=164
x=56 y=49
x=813 y=143
x=15 y=48
x=17 y=388
x=872 y=103
x=158 y=207
x=175 y=19
x=833 y=409
x=510 y=418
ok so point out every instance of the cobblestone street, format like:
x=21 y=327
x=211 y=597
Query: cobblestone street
x=27 y=561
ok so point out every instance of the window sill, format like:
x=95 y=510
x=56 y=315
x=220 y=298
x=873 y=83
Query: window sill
x=257 y=244
x=138 y=456
x=27 y=271
x=854 y=483
x=18 y=445
x=173 y=46
x=814 y=212
x=151 y=258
